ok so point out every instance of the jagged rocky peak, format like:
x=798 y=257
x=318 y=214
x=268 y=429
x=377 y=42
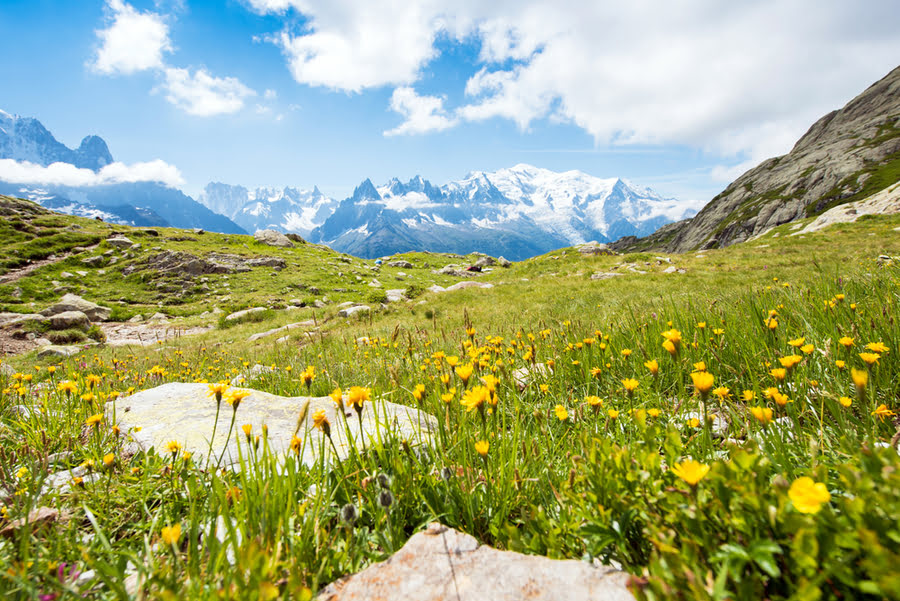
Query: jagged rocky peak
x=26 y=139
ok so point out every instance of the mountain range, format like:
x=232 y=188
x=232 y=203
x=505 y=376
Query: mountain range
x=517 y=212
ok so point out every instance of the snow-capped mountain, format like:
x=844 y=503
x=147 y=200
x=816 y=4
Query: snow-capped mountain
x=144 y=203
x=517 y=212
x=26 y=139
x=286 y=209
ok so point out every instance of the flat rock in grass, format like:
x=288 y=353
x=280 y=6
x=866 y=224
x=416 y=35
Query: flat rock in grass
x=273 y=238
x=605 y=275
x=358 y=309
x=36 y=518
x=459 y=286
x=185 y=413
x=241 y=314
x=443 y=564
x=58 y=351
x=396 y=295
x=73 y=302
x=120 y=242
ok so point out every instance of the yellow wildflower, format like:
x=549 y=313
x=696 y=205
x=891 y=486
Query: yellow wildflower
x=171 y=534
x=481 y=447
x=762 y=414
x=561 y=413
x=807 y=495
x=690 y=471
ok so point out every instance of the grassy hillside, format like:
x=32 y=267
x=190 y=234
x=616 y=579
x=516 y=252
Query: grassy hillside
x=566 y=427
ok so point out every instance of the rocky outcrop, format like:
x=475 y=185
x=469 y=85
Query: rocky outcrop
x=847 y=155
x=886 y=202
x=73 y=302
x=442 y=564
x=185 y=264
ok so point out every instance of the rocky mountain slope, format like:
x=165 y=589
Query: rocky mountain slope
x=138 y=204
x=517 y=212
x=847 y=155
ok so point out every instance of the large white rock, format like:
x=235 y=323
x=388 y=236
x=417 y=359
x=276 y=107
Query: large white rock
x=69 y=319
x=185 y=413
x=443 y=564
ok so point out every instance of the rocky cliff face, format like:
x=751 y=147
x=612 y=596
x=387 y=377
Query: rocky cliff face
x=845 y=156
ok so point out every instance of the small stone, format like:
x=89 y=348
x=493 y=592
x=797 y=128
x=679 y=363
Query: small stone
x=358 y=309
x=69 y=319
x=58 y=351
x=120 y=242
x=273 y=238
x=241 y=314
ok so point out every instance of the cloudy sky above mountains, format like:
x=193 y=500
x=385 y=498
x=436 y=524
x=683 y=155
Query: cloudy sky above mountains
x=680 y=96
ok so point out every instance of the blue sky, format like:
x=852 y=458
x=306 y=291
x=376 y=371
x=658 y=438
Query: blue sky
x=314 y=92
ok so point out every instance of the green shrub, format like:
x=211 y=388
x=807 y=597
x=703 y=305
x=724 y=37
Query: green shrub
x=70 y=336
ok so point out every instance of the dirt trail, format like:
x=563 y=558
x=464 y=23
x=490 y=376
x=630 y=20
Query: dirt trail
x=21 y=272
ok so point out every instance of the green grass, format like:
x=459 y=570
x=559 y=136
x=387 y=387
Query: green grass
x=595 y=484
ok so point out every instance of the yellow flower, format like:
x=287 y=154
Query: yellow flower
x=670 y=347
x=630 y=385
x=475 y=398
x=320 y=421
x=693 y=422
x=481 y=447
x=235 y=397
x=109 y=459
x=92 y=380
x=561 y=413
x=845 y=401
x=337 y=397
x=807 y=495
x=860 y=379
x=846 y=342
x=703 y=382
x=653 y=366
x=67 y=386
x=840 y=364
x=882 y=412
x=491 y=382
x=217 y=390
x=779 y=373
x=612 y=413
x=701 y=325
x=700 y=366
x=790 y=361
x=308 y=374
x=418 y=392
x=748 y=396
x=465 y=372
x=448 y=396
x=690 y=471
x=296 y=443
x=626 y=352
x=357 y=396
x=877 y=347
x=762 y=414
x=594 y=402
x=797 y=342
x=870 y=358
x=653 y=412
x=173 y=446
x=772 y=323
x=452 y=360
x=672 y=335
x=722 y=392
x=247 y=428
x=596 y=371
x=94 y=420
x=171 y=534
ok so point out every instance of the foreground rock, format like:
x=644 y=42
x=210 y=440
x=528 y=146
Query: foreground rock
x=186 y=414
x=444 y=564
x=73 y=302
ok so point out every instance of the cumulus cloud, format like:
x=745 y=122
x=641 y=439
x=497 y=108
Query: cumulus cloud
x=203 y=94
x=134 y=41
x=66 y=174
x=423 y=114
x=735 y=79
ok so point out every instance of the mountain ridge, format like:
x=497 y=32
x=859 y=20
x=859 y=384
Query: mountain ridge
x=846 y=155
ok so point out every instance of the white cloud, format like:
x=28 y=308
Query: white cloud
x=202 y=94
x=735 y=79
x=422 y=114
x=65 y=174
x=134 y=41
